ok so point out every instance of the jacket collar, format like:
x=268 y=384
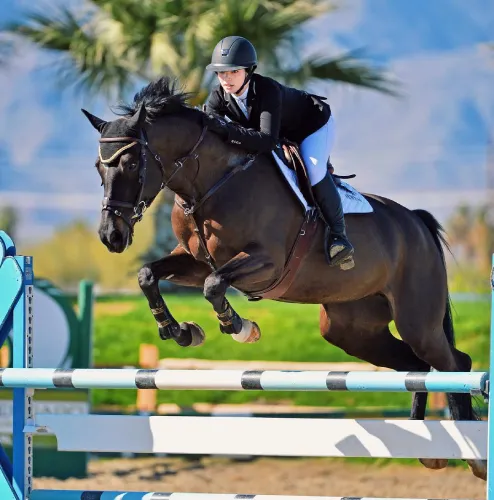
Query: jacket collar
x=234 y=108
x=252 y=95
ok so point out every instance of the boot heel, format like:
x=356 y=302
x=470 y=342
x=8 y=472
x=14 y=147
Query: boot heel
x=347 y=264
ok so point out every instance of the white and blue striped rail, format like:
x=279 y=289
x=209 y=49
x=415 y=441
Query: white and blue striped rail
x=249 y=380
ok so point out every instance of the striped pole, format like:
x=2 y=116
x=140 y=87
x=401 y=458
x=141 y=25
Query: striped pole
x=234 y=380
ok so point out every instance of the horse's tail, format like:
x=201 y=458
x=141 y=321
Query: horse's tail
x=437 y=232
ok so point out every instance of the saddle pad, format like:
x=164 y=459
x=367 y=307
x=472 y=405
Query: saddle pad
x=352 y=201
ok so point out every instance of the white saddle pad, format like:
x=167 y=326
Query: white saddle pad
x=352 y=201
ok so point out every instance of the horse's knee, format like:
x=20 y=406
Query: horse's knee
x=145 y=277
x=214 y=288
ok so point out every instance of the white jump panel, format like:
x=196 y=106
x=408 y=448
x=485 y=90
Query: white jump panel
x=138 y=495
x=268 y=436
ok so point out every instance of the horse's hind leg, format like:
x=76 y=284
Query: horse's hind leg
x=423 y=321
x=361 y=329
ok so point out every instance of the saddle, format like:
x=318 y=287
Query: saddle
x=289 y=153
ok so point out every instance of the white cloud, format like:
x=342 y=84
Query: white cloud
x=347 y=16
x=66 y=201
x=319 y=34
x=72 y=173
x=25 y=122
x=382 y=139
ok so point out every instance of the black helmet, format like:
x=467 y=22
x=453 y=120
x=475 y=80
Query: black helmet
x=233 y=52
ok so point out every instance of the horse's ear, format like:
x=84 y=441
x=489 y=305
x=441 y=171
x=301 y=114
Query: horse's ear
x=136 y=121
x=96 y=122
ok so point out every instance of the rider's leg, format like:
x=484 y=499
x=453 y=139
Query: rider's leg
x=315 y=150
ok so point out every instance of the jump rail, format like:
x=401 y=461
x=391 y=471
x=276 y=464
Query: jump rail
x=236 y=380
x=214 y=435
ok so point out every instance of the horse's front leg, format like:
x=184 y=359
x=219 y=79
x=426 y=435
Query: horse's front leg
x=245 y=268
x=181 y=268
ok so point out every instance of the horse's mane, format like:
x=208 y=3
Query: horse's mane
x=160 y=97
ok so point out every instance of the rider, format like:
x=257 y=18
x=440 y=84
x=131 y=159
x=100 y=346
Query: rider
x=264 y=111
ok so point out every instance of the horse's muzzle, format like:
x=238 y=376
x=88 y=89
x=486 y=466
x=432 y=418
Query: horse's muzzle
x=116 y=237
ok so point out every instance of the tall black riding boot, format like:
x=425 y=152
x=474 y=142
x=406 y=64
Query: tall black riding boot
x=340 y=250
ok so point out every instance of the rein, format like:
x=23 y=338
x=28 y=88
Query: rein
x=141 y=205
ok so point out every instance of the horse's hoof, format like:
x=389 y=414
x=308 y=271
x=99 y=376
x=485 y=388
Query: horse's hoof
x=168 y=330
x=249 y=333
x=478 y=468
x=191 y=335
x=434 y=463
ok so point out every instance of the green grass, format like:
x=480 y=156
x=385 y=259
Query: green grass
x=290 y=332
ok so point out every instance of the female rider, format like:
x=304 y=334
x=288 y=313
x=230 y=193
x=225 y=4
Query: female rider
x=265 y=111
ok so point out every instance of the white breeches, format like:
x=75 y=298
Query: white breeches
x=315 y=150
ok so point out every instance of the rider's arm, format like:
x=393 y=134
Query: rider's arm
x=264 y=137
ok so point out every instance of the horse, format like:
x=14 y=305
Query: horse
x=236 y=219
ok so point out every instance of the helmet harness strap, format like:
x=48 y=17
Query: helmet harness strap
x=248 y=76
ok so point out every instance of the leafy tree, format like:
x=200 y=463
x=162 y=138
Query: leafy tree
x=8 y=221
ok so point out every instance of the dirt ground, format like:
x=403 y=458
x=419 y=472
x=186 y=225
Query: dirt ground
x=328 y=477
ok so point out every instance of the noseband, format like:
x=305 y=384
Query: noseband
x=141 y=204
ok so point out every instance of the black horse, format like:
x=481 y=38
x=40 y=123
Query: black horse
x=236 y=220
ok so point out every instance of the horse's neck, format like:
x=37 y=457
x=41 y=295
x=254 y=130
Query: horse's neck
x=216 y=161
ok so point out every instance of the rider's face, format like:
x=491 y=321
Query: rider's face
x=231 y=81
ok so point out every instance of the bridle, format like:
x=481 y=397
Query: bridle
x=141 y=205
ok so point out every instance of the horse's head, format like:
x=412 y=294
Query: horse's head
x=144 y=151
x=130 y=175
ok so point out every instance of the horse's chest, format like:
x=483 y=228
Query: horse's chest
x=208 y=236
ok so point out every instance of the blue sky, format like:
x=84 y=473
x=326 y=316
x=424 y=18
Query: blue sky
x=427 y=149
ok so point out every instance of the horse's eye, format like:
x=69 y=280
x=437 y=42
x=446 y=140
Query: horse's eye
x=133 y=166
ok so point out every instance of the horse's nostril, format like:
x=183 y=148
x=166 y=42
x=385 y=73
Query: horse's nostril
x=115 y=238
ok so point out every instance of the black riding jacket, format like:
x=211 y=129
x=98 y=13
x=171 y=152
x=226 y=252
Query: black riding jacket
x=275 y=112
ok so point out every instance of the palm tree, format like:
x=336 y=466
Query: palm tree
x=106 y=47
x=471 y=234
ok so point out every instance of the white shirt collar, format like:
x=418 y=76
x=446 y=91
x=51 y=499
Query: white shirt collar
x=243 y=95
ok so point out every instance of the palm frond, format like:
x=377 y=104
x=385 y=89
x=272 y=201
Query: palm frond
x=347 y=68
x=107 y=47
x=94 y=58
